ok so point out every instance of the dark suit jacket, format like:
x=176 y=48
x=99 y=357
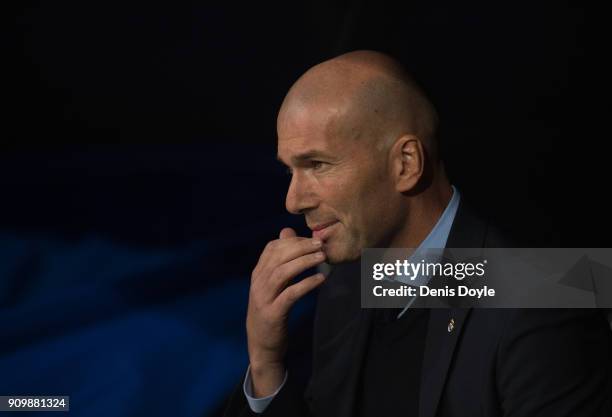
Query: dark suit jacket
x=495 y=362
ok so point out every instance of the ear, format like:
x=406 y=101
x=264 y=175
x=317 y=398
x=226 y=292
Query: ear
x=407 y=160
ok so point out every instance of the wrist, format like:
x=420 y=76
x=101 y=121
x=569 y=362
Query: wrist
x=261 y=359
x=266 y=378
x=263 y=368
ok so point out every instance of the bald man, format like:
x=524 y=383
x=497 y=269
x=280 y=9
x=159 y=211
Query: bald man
x=359 y=138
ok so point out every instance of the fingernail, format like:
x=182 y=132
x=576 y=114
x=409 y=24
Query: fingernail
x=316 y=242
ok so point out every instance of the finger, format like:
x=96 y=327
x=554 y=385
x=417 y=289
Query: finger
x=294 y=292
x=285 y=250
x=284 y=273
x=287 y=232
x=269 y=256
x=290 y=250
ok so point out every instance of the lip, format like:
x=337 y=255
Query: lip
x=322 y=231
x=322 y=226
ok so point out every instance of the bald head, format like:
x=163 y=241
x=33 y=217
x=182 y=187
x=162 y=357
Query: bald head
x=361 y=95
x=358 y=137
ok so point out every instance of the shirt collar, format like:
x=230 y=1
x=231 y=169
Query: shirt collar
x=438 y=236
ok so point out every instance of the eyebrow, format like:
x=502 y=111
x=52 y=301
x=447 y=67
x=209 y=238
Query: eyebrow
x=305 y=156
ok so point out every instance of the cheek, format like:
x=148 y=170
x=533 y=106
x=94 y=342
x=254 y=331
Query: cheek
x=377 y=210
x=358 y=197
x=338 y=193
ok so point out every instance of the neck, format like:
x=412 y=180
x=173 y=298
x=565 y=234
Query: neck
x=424 y=210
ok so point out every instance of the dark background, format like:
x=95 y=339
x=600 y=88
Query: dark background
x=138 y=172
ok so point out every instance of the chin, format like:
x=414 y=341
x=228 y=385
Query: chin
x=338 y=255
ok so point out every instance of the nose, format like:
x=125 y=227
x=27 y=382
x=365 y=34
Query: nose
x=300 y=196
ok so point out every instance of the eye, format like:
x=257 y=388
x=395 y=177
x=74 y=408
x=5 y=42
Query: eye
x=316 y=165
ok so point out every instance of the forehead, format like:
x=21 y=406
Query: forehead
x=309 y=129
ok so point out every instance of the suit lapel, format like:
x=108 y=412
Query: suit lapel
x=444 y=329
x=446 y=324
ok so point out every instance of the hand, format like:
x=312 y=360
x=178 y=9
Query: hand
x=270 y=299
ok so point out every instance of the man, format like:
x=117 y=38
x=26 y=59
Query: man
x=359 y=137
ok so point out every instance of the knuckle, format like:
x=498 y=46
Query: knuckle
x=306 y=243
x=270 y=246
x=292 y=294
x=254 y=276
x=314 y=257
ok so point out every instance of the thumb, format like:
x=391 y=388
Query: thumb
x=286 y=233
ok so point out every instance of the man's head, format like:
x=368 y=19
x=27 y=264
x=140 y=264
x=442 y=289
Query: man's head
x=358 y=135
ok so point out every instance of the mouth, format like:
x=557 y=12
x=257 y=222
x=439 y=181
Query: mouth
x=323 y=230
